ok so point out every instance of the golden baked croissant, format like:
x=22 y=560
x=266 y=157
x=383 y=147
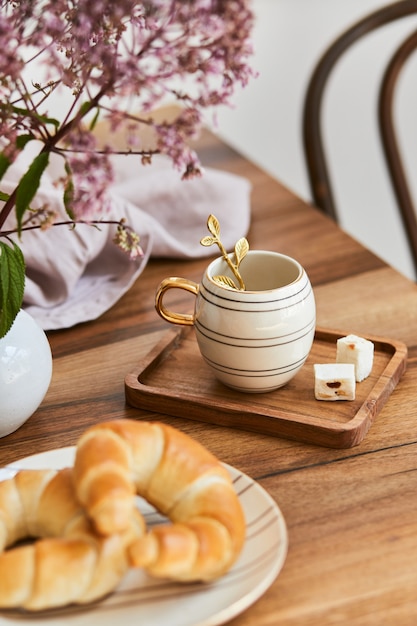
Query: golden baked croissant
x=184 y=481
x=71 y=563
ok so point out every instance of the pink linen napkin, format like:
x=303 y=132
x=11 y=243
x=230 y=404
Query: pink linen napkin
x=75 y=275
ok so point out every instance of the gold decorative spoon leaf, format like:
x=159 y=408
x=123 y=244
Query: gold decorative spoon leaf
x=207 y=241
x=225 y=281
x=241 y=250
x=213 y=225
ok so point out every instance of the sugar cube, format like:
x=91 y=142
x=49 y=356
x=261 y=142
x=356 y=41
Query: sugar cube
x=334 y=381
x=356 y=350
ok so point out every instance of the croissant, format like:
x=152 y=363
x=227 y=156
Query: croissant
x=70 y=562
x=116 y=460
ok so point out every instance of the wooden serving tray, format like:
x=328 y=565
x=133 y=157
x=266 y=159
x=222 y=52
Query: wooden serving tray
x=175 y=380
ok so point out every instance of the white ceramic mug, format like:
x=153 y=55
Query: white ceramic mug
x=254 y=340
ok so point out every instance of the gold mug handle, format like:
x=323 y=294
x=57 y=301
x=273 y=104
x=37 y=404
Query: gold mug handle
x=175 y=283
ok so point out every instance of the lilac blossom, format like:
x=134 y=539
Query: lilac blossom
x=105 y=54
x=115 y=61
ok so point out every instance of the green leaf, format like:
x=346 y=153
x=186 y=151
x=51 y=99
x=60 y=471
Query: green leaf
x=12 y=284
x=41 y=118
x=86 y=107
x=94 y=120
x=28 y=186
x=22 y=140
x=69 y=192
x=5 y=163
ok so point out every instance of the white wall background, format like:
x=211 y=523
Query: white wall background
x=265 y=123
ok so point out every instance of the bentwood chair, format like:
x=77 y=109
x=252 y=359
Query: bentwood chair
x=317 y=168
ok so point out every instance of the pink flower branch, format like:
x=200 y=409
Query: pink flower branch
x=103 y=56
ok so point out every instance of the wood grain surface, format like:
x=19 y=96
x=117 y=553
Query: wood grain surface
x=351 y=513
x=175 y=380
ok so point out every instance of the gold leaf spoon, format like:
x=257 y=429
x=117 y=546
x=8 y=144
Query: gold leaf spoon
x=240 y=251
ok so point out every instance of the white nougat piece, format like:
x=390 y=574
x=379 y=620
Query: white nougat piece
x=334 y=381
x=356 y=350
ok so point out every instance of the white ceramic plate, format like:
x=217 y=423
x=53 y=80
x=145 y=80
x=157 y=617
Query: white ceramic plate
x=140 y=599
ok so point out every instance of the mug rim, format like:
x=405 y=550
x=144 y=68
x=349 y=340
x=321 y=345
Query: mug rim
x=255 y=291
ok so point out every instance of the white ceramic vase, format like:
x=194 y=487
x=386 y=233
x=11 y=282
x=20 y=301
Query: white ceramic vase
x=25 y=372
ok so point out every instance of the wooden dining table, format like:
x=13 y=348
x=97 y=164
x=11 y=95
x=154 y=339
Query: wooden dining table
x=350 y=512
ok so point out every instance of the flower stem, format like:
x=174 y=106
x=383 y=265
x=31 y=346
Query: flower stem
x=8 y=207
x=49 y=146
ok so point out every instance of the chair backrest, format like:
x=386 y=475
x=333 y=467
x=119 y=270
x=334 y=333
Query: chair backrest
x=317 y=168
